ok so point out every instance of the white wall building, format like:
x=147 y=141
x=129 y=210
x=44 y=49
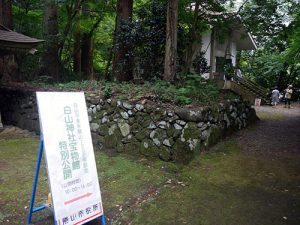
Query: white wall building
x=218 y=53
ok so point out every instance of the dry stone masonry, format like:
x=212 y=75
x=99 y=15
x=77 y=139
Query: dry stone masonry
x=150 y=129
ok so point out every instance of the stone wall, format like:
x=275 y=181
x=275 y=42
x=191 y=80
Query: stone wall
x=19 y=108
x=147 y=128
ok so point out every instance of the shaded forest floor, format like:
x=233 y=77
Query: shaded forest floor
x=250 y=178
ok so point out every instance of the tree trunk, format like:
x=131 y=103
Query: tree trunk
x=77 y=48
x=171 y=40
x=87 y=56
x=212 y=54
x=73 y=13
x=87 y=49
x=51 y=65
x=6 y=13
x=190 y=49
x=122 y=62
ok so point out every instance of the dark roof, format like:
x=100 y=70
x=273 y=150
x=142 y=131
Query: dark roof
x=11 y=36
x=14 y=42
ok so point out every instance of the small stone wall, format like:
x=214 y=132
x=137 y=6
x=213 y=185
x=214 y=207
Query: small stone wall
x=154 y=130
x=19 y=108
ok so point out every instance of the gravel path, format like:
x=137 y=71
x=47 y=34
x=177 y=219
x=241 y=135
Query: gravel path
x=277 y=134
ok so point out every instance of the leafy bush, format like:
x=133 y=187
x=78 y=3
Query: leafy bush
x=107 y=91
x=200 y=63
x=183 y=100
x=145 y=37
x=196 y=87
x=165 y=91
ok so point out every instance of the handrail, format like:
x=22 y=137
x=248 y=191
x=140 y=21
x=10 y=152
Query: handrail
x=250 y=83
x=253 y=86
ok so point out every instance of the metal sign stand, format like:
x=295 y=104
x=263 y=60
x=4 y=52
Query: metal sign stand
x=36 y=175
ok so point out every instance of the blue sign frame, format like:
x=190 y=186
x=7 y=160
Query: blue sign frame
x=34 y=186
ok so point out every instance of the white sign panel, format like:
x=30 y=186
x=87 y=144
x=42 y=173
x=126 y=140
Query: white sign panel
x=70 y=157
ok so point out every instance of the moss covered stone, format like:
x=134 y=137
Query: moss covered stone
x=214 y=133
x=132 y=147
x=182 y=152
x=112 y=141
x=124 y=127
x=159 y=134
x=143 y=119
x=148 y=148
x=190 y=131
x=173 y=133
x=103 y=129
x=158 y=115
x=142 y=134
x=165 y=153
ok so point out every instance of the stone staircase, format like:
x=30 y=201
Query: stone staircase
x=248 y=89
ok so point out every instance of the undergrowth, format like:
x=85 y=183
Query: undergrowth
x=192 y=90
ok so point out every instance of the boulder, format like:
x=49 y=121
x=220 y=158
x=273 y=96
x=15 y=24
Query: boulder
x=124 y=128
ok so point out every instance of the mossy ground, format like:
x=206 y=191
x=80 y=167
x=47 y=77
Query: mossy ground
x=122 y=178
x=226 y=187
x=223 y=186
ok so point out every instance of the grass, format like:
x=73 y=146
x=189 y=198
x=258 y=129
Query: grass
x=226 y=187
x=221 y=187
x=269 y=116
x=121 y=178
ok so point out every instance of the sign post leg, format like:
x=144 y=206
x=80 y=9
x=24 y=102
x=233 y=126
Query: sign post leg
x=102 y=218
x=37 y=170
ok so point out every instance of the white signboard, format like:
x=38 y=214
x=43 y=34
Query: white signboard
x=70 y=157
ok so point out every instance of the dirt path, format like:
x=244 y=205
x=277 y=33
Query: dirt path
x=277 y=134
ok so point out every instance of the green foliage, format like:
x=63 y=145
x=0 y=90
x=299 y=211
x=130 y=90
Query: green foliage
x=107 y=91
x=45 y=82
x=145 y=37
x=200 y=63
x=28 y=22
x=264 y=68
x=196 y=87
x=165 y=91
x=276 y=25
x=183 y=100
x=97 y=19
x=268 y=20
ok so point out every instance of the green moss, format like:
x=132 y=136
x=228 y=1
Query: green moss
x=226 y=187
x=269 y=115
x=181 y=152
x=142 y=134
x=112 y=141
x=191 y=131
x=148 y=148
x=215 y=135
x=121 y=178
x=223 y=186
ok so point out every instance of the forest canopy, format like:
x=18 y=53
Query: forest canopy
x=146 y=40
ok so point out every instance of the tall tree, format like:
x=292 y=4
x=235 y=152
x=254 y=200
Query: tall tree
x=192 y=36
x=273 y=25
x=6 y=13
x=171 y=40
x=77 y=47
x=51 y=63
x=122 y=70
x=86 y=47
x=93 y=16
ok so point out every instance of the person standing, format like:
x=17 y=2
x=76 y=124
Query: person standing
x=288 y=96
x=275 y=97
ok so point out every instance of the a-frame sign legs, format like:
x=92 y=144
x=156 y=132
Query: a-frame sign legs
x=102 y=219
x=36 y=176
